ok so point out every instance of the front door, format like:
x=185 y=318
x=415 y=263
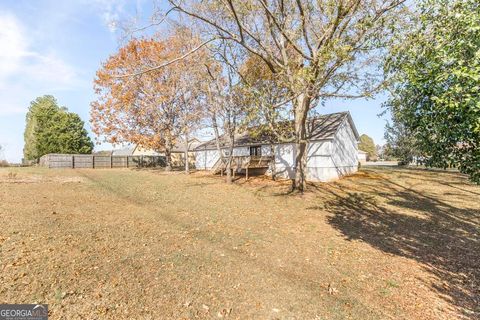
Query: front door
x=255 y=150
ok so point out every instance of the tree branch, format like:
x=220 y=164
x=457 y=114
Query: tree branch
x=284 y=34
x=304 y=27
x=166 y=63
x=231 y=36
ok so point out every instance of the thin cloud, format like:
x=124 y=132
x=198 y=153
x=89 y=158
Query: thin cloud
x=24 y=69
x=13 y=46
x=110 y=11
x=115 y=13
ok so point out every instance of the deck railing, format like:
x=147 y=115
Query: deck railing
x=248 y=161
x=242 y=162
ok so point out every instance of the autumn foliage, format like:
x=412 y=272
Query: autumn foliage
x=146 y=108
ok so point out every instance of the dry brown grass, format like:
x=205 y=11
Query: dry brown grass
x=121 y=244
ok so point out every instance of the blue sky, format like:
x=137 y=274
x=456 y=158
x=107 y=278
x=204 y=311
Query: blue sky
x=55 y=47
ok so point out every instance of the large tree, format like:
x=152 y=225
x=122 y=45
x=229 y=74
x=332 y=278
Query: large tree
x=316 y=49
x=368 y=145
x=152 y=109
x=52 y=129
x=435 y=93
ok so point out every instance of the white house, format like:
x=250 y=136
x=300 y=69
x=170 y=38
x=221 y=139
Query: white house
x=362 y=156
x=332 y=149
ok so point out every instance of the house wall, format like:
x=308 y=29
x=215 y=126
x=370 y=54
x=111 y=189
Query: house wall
x=285 y=160
x=284 y=157
x=345 y=151
x=241 y=151
x=362 y=157
x=205 y=159
x=320 y=166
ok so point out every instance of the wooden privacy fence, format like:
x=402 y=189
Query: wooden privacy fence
x=92 y=161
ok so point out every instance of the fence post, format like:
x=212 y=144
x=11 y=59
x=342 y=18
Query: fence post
x=93 y=162
x=141 y=162
x=73 y=162
x=111 y=162
x=127 y=161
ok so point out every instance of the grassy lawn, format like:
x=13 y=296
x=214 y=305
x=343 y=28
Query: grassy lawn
x=122 y=244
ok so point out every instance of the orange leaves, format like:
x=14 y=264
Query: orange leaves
x=147 y=109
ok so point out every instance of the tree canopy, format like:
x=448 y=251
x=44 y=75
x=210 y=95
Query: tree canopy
x=153 y=108
x=315 y=49
x=435 y=91
x=52 y=129
x=368 y=145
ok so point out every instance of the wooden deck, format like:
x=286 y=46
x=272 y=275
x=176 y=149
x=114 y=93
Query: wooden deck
x=243 y=163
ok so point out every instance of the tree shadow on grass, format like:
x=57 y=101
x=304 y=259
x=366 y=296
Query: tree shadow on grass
x=398 y=220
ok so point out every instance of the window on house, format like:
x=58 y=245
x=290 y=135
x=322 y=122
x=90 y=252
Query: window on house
x=255 y=150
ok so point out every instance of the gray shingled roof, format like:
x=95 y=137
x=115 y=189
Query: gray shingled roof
x=321 y=127
x=127 y=151
x=180 y=146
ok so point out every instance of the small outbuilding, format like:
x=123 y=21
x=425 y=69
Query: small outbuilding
x=362 y=156
x=177 y=152
x=332 y=150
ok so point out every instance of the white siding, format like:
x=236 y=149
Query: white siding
x=241 y=151
x=320 y=166
x=266 y=150
x=318 y=155
x=362 y=157
x=285 y=160
x=345 y=151
x=205 y=159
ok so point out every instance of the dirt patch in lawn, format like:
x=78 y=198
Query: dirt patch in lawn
x=9 y=176
x=123 y=244
x=39 y=179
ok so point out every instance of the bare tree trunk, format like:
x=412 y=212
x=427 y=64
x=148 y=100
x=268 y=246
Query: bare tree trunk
x=274 y=167
x=168 y=154
x=301 y=112
x=229 y=163
x=187 y=165
x=217 y=134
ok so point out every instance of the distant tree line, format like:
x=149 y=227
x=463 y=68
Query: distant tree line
x=52 y=129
